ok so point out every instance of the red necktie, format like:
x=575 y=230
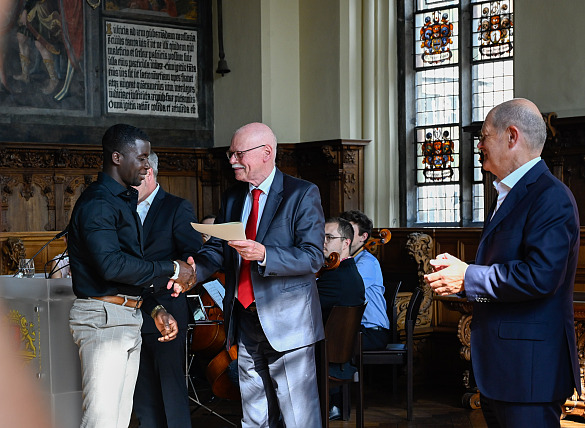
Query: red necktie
x=245 y=290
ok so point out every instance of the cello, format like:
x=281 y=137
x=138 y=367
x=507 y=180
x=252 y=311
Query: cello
x=208 y=340
x=383 y=237
x=331 y=262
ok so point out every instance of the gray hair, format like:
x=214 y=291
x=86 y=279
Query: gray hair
x=518 y=113
x=153 y=161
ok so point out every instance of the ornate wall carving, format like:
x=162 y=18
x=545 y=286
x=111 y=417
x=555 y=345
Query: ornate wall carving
x=564 y=153
x=40 y=183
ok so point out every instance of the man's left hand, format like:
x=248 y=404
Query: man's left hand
x=449 y=275
x=167 y=325
x=249 y=250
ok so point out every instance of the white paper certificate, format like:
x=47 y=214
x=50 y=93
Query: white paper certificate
x=229 y=231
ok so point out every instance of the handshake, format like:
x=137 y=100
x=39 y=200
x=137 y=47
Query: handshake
x=187 y=278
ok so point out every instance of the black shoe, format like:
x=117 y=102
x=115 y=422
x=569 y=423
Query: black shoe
x=335 y=414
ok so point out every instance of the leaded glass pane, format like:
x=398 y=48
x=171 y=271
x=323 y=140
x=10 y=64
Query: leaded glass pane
x=438 y=204
x=436 y=36
x=437 y=158
x=492 y=30
x=429 y=4
x=492 y=84
x=437 y=96
x=477 y=174
x=477 y=187
x=478 y=209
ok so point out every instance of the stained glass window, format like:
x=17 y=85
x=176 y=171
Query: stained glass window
x=492 y=30
x=438 y=37
x=426 y=4
x=458 y=77
x=437 y=154
x=492 y=71
x=437 y=163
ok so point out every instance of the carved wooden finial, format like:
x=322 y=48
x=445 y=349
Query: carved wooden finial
x=13 y=251
x=420 y=247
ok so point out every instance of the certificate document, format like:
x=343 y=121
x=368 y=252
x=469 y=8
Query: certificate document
x=228 y=231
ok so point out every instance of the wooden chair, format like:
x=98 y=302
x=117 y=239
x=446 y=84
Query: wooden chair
x=401 y=353
x=392 y=310
x=391 y=294
x=342 y=343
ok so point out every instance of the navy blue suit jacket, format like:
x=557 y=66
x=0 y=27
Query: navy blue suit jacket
x=522 y=334
x=292 y=228
x=168 y=235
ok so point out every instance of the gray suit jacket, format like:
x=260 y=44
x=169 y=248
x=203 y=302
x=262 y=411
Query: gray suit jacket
x=292 y=228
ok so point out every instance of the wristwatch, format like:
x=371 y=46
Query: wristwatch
x=156 y=309
x=177 y=270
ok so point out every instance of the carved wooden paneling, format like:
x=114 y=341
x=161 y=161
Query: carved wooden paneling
x=27 y=244
x=564 y=153
x=335 y=166
x=39 y=184
x=398 y=264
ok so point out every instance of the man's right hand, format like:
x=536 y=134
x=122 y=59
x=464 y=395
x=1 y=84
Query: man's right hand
x=186 y=279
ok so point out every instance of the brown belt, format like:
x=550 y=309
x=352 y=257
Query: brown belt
x=119 y=300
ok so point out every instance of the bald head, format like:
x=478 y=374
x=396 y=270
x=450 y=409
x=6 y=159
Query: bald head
x=512 y=134
x=257 y=133
x=523 y=114
x=253 y=153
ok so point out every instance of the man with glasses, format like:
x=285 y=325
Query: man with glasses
x=271 y=304
x=342 y=286
x=375 y=322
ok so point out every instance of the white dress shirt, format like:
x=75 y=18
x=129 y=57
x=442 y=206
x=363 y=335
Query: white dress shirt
x=144 y=206
x=265 y=188
x=504 y=186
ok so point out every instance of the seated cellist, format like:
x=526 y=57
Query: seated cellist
x=375 y=322
x=342 y=286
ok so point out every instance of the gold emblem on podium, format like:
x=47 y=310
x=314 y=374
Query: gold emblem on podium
x=24 y=335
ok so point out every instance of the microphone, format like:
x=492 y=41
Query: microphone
x=57 y=236
x=61 y=234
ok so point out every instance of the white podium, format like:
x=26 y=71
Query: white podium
x=38 y=313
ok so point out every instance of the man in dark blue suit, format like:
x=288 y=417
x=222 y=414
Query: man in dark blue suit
x=271 y=304
x=523 y=346
x=168 y=235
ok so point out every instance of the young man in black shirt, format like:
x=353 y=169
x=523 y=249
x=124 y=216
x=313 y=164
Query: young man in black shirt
x=109 y=274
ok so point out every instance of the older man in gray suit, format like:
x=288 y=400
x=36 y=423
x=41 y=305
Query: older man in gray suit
x=271 y=304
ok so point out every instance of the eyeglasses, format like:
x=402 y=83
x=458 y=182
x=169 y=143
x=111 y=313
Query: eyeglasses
x=240 y=153
x=329 y=238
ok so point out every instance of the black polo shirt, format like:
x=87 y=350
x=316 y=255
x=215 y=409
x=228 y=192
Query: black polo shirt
x=105 y=243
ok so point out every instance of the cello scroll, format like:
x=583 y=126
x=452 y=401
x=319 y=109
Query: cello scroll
x=331 y=262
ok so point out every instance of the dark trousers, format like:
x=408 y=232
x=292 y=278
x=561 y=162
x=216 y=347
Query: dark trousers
x=161 y=397
x=374 y=339
x=502 y=414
